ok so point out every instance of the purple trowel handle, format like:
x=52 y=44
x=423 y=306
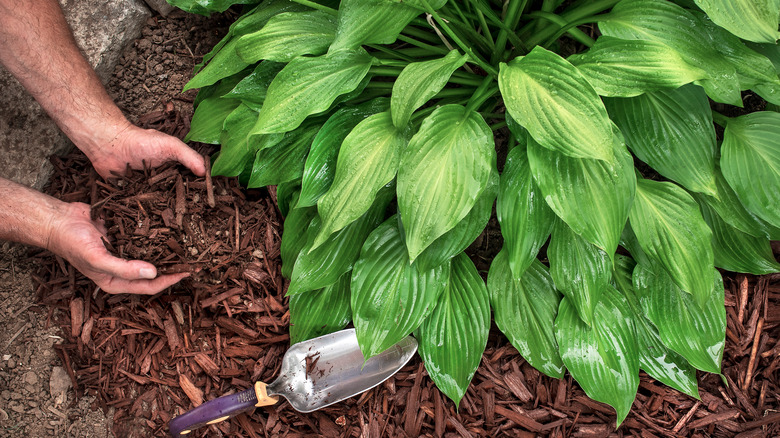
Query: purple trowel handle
x=213 y=411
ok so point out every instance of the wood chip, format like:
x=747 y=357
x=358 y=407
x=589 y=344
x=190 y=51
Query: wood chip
x=714 y=418
x=174 y=342
x=193 y=392
x=76 y=316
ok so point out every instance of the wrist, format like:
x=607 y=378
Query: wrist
x=28 y=216
x=96 y=138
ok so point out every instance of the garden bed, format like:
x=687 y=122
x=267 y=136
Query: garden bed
x=150 y=358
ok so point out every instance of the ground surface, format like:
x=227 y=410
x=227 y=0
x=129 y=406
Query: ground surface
x=141 y=360
x=151 y=72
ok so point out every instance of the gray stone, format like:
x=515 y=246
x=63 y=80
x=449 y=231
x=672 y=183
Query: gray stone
x=59 y=384
x=161 y=6
x=103 y=28
x=31 y=378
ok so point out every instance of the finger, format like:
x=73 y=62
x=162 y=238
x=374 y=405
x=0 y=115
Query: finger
x=142 y=287
x=100 y=224
x=125 y=269
x=190 y=159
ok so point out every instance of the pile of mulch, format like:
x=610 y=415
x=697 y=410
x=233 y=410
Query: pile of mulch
x=152 y=358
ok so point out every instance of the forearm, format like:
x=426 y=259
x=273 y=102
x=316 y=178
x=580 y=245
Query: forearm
x=27 y=216
x=37 y=47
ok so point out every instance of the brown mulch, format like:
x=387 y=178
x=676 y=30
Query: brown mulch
x=151 y=358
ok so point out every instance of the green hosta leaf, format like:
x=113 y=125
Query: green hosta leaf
x=456 y=240
x=322 y=266
x=671 y=231
x=769 y=92
x=252 y=89
x=771 y=51
x=752 y=20
x=320 y=312
x=737 y=251
x=284 y=161
x=667 y=23
x=320 y=168
x=250 y=22
x=219 y=89
x=205 y=7
x=655 y=358
x=592 y=196
x=434 y=4
x=419 y=82
x=454 y=336
x=368 y=159
x=697 y=332
x=287 y=195
x=526 y=220
x=626 y=68
x=730 y=209
x=752 y=67
x=236 y=151
x=287 y=36
x=225 y=63
x=556 y=104
x=222 y=59
x=296 y=226
x=370 y=22
x=308 y=86
x=445 y=167
x=519 y=133
x=390 y=296
x=525 y=310
x=604 y=358
x=750 y=161
x=672 y=131
x=580 y=270
x=209 y=118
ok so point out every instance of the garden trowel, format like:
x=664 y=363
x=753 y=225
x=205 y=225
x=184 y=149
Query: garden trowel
x=314 y=374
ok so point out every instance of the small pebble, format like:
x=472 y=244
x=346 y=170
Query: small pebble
x=31 y=378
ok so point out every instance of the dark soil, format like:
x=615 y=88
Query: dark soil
x=151 y=358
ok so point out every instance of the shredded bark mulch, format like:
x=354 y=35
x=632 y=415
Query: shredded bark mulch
x=151 y=358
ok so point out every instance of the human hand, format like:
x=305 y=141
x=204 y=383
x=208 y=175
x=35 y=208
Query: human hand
x=135 y=146
x=77 y=238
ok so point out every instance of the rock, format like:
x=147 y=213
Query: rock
x=59 y=384
x=103 y=28
x=161 y=6
x=31 y=378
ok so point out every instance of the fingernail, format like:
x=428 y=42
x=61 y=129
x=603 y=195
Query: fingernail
x=148 y=273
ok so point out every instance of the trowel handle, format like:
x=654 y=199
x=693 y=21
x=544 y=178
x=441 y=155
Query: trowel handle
x=220 y=409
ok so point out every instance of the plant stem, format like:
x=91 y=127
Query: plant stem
x=514 y=10
x=421 y=34
x=490 y=15
x=394 y=53
x=480 y=95
x=422 y=45
x=317 y=6
x=464 y=81
x=497 y=126
x=485 y=28
x=385 y=71
x=379 y=85
x=720 y=119
x=568 y=27
x=587 y=9
x=467 y=49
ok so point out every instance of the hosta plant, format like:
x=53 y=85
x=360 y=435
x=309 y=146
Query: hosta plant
x=380 y=122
